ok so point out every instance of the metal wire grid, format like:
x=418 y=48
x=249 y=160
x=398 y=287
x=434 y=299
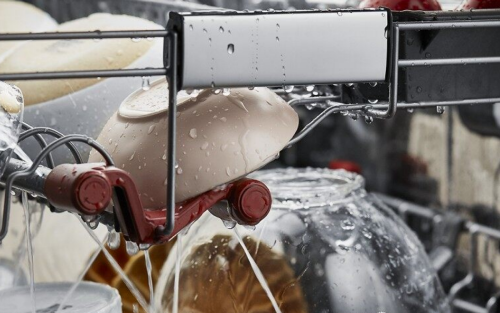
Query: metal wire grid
x=475 y=230
x=381 y=110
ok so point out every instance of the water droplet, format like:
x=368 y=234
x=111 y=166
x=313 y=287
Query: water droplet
x=310 y=106
x=277 y=39
x=373 y=101
x=226 y=91
x=440 y=109
x=228 y=171
x=367 y=234
x=193 y=133
x=204 y=146
x=136 y=39
x=113 y=240
x=145 y=83
x=339 y=13
x=277 y=26
x=151 y=129
x=132 y=156
x=310 y=88
x=221 y=29
x=347 y=225
x=353 y=116
x=250 y=227
x=368 y=119
x=179 y=171
x=288 y=89
x=230 y=48
x=229 y=224
x=132 y=248
x=419 y=89
x=191 y=27
x=205 y=30
x=372 y=84
x=410 y=110
x=216 y=91
x=238 y=103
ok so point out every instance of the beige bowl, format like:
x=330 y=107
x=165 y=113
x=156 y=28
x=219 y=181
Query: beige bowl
x=20 y=17
x=81 y=106
x=65 y=55
x=220 y=138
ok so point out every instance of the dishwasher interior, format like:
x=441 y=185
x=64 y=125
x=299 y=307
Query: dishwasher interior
x=420 y=122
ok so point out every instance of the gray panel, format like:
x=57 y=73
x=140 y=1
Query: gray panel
x=284 y=48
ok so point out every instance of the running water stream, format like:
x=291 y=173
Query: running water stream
x=30 y=250
x=130 y=285
x=150 y=282
x=75 y=285
x=257 y=272
x=175 y=305
x=27 y=220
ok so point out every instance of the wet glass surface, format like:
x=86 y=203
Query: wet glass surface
x=326 y=246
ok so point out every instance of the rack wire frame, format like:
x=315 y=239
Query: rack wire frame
x=170 y=58
x=406 y=209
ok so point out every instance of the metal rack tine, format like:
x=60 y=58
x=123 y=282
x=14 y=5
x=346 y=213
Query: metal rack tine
x=469 y=280
x=83 y=35
x=492 y=305
x=393 y=85
x=308 y=100
x=171 y=67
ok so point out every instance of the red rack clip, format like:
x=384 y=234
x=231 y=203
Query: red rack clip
x=87 y=189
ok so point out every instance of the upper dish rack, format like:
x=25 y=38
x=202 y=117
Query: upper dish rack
x=282 y=48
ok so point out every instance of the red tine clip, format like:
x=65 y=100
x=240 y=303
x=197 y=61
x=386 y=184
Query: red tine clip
x=88 y=189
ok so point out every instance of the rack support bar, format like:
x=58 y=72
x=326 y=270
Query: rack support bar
x=451 y=61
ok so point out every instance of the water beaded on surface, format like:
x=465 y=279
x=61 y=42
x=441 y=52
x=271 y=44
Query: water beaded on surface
x=326 y=246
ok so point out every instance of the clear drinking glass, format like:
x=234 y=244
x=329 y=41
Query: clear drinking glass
x=326 y=246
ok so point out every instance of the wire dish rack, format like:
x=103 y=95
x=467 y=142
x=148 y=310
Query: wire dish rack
x=384 y=54
x=441 y=236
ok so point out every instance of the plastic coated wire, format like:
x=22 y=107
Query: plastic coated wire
x=304 y=101
x=41 y=141
x=53 y=133
x=333 y=109
x=53 y=145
